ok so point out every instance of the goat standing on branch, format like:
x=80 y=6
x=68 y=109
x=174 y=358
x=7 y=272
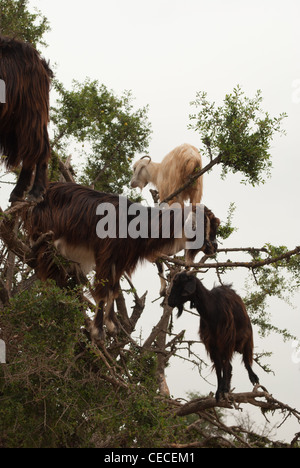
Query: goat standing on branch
x=225 y=326
x=75 y=215
x=174 y=171
x=24 y=115
x=167 y=176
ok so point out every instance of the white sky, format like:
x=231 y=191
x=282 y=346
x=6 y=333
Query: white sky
x=165 y=51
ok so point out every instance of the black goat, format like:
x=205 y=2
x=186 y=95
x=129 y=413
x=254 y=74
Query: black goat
x=225 y=326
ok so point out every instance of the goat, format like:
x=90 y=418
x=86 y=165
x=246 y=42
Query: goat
x=171 y=174
x=225 y=326
x=72 y=213
x=168 y=176
x=24 y=115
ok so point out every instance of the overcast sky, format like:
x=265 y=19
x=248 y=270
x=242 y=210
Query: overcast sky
x=167 y=50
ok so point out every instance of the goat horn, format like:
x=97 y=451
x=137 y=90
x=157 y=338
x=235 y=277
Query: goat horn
x=146 y=156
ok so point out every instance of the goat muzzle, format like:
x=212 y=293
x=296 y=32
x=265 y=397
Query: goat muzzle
x=210 y=247
x=134 y=183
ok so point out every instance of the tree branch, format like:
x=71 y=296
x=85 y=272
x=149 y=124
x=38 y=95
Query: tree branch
x=66 y=169
x=192 y=178
x=259 y=398
x=9 y=237
x=230 y=264
x=160 y=327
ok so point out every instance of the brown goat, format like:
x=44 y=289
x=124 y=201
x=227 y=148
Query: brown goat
x=225 y=326
x=24 y=115
x=171 y=174
x=75 y=214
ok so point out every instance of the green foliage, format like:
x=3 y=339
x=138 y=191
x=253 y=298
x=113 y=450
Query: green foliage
x=41 y=328
x=226 y=229
x=45 y=311
x=239 y=131
x=17 y=21
x=56 y=390
x=107 y=128
x=280 y=280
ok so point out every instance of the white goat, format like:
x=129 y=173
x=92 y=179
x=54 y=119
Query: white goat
x=169 y=175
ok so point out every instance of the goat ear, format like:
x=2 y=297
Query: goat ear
x=189 y=288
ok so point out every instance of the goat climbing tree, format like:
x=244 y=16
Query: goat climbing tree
x=58 y=389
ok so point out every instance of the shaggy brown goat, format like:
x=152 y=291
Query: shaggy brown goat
x=24 y=115
x=225 y=326
x=75 y=215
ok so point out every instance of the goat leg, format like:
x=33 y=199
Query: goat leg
x=163 y=283
x=110 y=319
x=247 y=358
x=96 y=330
x=227 y=376
x=219 y=368
x=23 y=183
x=40 y=181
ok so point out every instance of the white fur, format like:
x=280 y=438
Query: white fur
x=171 y=174
x=81 y=255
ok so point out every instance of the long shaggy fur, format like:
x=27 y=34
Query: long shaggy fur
x=171 y=174
x=225 y=327
x=25 y=114
x=69 y=211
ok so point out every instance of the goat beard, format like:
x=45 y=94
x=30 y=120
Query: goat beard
x=180 y=310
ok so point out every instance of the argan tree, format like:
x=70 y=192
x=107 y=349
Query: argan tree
x=58 y=388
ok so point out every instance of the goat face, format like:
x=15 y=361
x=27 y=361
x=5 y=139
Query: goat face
x=211 y=227
x=210 y=245
x=182 y=290
x=140 y=176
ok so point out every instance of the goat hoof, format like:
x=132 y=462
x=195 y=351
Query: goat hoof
x=112 y=327
x=221 y=395
x=97 y=335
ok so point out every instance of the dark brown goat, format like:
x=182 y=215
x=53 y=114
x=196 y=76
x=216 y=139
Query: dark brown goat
x=74 y=214
x=225 y=326
x=24 y=115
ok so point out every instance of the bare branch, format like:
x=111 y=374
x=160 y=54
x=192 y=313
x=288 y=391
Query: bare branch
x=159 y=327
x=230 y=264
x=259 y=398
x=8 y=235
x=66 y=169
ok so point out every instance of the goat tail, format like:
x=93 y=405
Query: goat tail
x=192 y=166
